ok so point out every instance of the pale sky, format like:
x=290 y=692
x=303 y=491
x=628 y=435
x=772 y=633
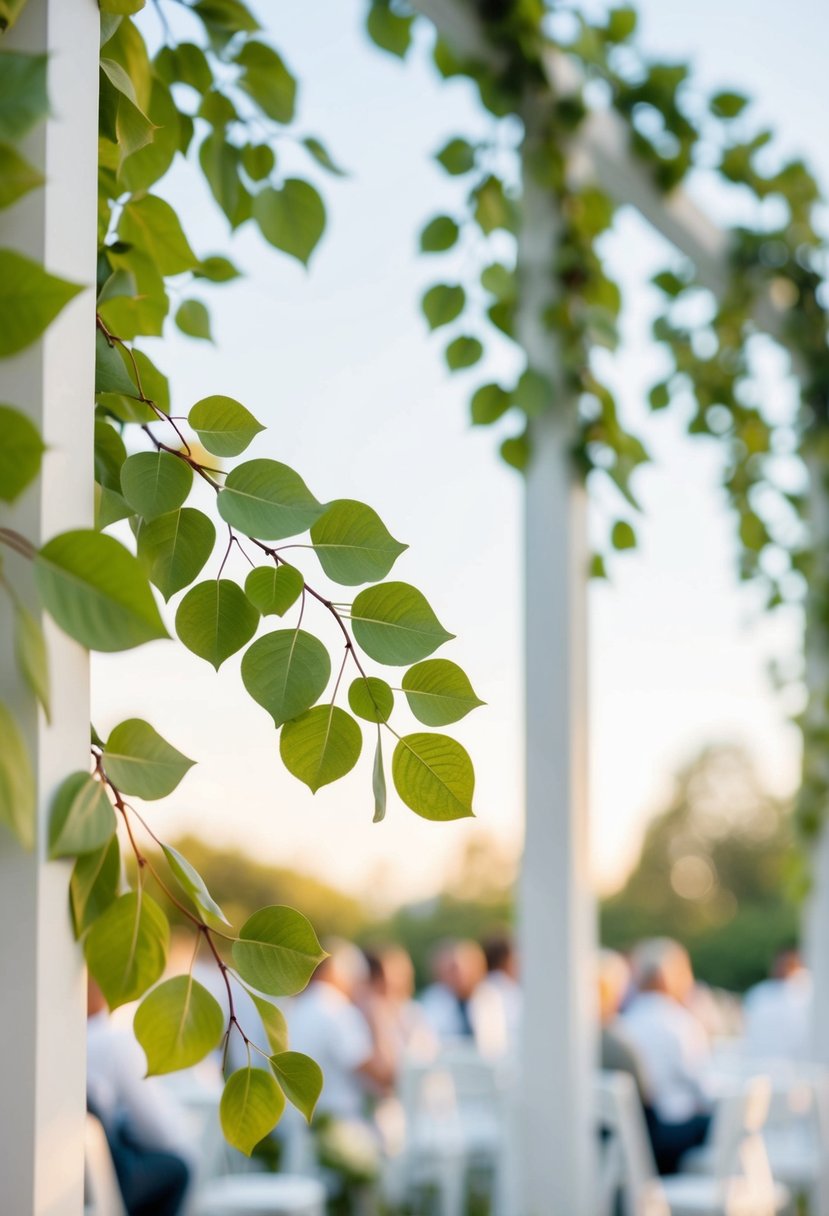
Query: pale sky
x=337 y=363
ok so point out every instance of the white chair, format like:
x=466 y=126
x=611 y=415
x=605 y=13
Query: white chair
x=261 y=1195
x=103 y=1195
x=628 y=1166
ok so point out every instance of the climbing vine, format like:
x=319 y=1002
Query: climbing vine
x=216 y=92
x=771 y=272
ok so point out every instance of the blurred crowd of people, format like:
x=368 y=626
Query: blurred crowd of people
x=361 y=1020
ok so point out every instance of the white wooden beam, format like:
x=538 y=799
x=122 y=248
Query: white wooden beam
x=43 y=994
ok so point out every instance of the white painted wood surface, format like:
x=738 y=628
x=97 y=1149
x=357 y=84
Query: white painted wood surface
x=42 y=987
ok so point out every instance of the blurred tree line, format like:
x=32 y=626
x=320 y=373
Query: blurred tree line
x=713 y=872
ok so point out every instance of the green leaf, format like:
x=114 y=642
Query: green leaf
x=516 y=451
x=216 y=269
x=223 y=425
x=443 y=304
x=17 y=176
x=389 y=30
x=109 y=507
x=186 y=63
x=94 y=885
x=463 y=352
x=126 y=949
x=274 y=589
x=728 y=105
x=291 y=217
x=266 y=499
x=286 y=672
x=322 y=156
x=121 y=118
x=258 y=161
x=10 y=10
x=440 y=234
x=353 y=544
x=215 y=619
x=320 y=746
x=277 y=951
x=273 y=1020
x=175 y=547
x=155 y=483
x=82 y=819
x=219 y=160
x=621 y=23
x=659 y=397
x=378 y=782
x=439 y=692
x=152 y=225
x=32 y=657
x=138 y=761
x=97 y=591
x=111 y=375
x=433 y=775
x=371 y=699
x=533 y=393
x=489 y=403
x=20 y=453
x=124 y=7
x=251 y=1106
x=193 y=319
x=178 y=1024
x=192 y=883
x=394 y=624
x=267 y=80
x=622 y=535
x=23 y=99
x=30 y=299
x=457 y=157
x=300 y=1078
x=492 y=208
x=17 y=782
x=110 y=455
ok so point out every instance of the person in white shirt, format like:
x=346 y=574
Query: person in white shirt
x=458 y=967
x=672 y=1047
x=325 y=1023
x=495 y=1006
x=145 y=1129
x=778 y=1012
x=398 y=1024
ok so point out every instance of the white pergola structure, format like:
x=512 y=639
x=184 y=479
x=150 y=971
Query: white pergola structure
x=41 y=980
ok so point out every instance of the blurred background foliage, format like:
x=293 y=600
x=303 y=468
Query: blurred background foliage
x=713 y=871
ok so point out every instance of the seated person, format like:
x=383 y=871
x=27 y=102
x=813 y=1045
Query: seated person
x=673 y=1049
x=458 y=968
x=144 y=1128
x=617 y=1051
x=495 y=1006
x=778 y=1012
x=397 y=1022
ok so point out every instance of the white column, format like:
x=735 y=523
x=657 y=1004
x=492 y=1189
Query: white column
x=42 y=987
x=556 y=923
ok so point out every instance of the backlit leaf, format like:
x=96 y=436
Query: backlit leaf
x=192 y=883
x=20 y=453
x=395 y=624
x=178 y=1024
x=94 y=885
x=440 y=234
x=152 y=225
x=82 y=819
x=32 y=658
x=97 y=591
x=251 y=1106
x=442 y=304
x=320 y=746
x=291 y=217
x=277 y=951
x=30 y=298
x=154 y=483
x=223 y=425
x=439 y=692
x=17 y=176
x=378 y=782
x=286 y=672
x=434 y=776
x=126 y=949
x=273 y=1021
x=215 y=619
x=322 y=156
x=23 y=99
x=266 y=499
x=300 y=1078
x=140 y=762
x=353 y=544
x=274 y=589
x=267 y=80
x=193 y=319
x=371 y=699
x=17 y=782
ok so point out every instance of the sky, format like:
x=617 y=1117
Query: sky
x=337 y=363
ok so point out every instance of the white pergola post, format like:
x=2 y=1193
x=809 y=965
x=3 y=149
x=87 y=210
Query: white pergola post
x=42 y=986
x=556 y=915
